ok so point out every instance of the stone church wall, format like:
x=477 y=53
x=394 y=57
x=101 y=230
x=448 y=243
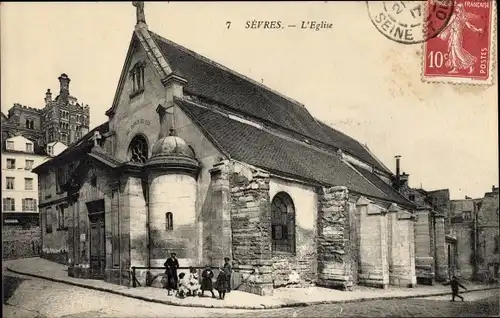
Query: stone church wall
x=335 y=258
x=374 y=251
x=304 y=262
x=136 y=114
x=401 y=248
x=251 y=228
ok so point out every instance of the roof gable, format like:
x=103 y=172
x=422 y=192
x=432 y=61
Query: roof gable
x=218 y=83
x=123 y=74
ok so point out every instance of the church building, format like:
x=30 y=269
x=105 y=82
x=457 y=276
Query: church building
x=202 y=161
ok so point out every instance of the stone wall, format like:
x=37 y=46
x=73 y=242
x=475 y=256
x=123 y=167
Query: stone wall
x=217 y=224
x=441 y=254
x=402 y=248
x=424 y=255
x=251 y=227
x=334 y=253
x=373 y=236
x=299 y=269
x=19 y=241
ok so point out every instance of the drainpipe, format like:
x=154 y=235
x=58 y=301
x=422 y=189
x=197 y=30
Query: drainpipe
x=146 y=196
x=119 y=234
x=475 y=244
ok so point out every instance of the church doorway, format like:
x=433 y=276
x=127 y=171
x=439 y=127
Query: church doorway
x=97 y=239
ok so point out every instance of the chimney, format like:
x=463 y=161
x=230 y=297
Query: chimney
x=397 y=166
x=64 y=88
x=48 y=96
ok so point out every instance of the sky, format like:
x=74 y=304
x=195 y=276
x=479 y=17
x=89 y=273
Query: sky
x=350 y=76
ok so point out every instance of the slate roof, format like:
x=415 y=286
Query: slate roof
x=274 y=153
x=79 y=146
x=392 y=194
x=217 y=83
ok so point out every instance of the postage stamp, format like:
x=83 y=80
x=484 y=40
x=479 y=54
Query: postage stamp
x=463 y=51
x=410 y=22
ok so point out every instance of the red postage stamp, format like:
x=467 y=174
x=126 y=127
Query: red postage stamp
x=463 y=50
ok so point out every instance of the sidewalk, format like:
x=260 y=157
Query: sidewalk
x=283 y=297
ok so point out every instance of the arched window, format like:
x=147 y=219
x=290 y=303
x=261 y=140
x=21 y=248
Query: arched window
x=137 y=74
x=169 y=221
x=283 y=223
x=138 y=149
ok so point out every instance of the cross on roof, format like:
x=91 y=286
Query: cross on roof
x=139 y=5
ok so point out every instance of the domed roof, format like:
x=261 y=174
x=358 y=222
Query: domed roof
x=172 y=146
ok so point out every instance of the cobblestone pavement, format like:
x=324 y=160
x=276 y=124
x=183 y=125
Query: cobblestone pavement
x=29 y=297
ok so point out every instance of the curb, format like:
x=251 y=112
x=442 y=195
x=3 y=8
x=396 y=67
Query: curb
x=256 y=307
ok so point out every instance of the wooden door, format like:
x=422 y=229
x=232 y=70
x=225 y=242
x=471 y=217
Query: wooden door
x=97 y=246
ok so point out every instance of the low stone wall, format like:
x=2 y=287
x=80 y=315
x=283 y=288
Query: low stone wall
x=20 y=242
x=293 y=272
x=60 y=257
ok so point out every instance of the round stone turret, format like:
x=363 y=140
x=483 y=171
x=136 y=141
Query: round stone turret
x=172 y=172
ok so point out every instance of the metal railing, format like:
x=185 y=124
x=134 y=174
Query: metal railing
x=236 y=277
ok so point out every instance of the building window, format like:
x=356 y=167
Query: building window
x=412 y=197
x=62 y=177
x=29 y=164
x=30 y=124
x=93 y=181
x=61 y=213
x=64 y=138
x=29 y=205
x=283 y=223
x=11 y=163
x=138 y=150
x=9 y=184
x=29 y=147
x=137 y=74
x=466 y=215
x=9 y=204
x=169 y=221
x=10 y=145
x=28 y=183
x=48 y=220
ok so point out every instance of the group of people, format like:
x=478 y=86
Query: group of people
x=190 y=285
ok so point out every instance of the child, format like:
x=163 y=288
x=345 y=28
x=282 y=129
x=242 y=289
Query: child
x=183 y=286
x=206 y=281
x=221 y=283
x=194 y=284
x=454 y=283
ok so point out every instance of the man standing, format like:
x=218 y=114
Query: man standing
x=172 y=264
x=228 y=270
x=455 y=284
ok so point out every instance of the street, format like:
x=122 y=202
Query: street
x=27 y=297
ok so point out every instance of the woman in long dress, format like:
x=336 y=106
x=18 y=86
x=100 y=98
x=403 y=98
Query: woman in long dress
x=458 y=57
